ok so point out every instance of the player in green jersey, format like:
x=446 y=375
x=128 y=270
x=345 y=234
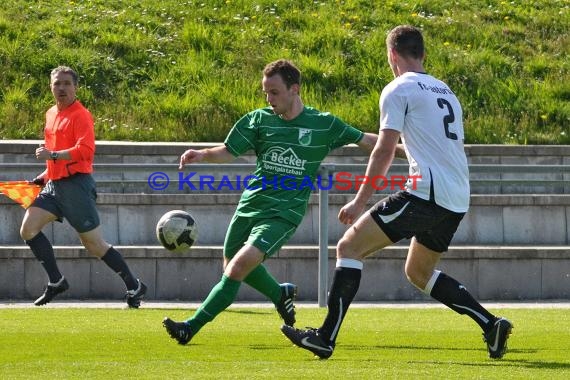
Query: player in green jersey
x=290 y=141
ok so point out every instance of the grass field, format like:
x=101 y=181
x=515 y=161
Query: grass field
x=245 y=343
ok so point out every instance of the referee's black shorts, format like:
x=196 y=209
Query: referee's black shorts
x=73 y=198
x=403 y=215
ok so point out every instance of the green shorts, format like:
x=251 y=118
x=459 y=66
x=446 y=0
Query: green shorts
x=72 y=198
x=267 y=235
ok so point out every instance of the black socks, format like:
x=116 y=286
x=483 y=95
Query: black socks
x=343 y=289
x=43 y=251
x=115 y=261
x=455 y=296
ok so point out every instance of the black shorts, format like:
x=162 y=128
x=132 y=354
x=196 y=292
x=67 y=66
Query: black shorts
x=403 y=215
x=72 y=198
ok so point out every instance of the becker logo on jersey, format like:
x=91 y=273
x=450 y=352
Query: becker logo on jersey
x=280 y=160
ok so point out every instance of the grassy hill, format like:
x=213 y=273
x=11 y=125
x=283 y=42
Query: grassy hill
x=186 y=70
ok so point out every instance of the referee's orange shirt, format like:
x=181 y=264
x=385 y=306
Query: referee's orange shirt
x=71 y=130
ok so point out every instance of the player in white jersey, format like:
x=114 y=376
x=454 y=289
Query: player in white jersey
x=425 y=114
x=428 y=117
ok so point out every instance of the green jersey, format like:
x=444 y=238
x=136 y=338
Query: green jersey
x=289 y=154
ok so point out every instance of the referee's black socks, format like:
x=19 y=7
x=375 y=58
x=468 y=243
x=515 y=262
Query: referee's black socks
x=115 y=261
x=43 y=251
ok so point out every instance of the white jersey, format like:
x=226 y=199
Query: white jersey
x=430 y=119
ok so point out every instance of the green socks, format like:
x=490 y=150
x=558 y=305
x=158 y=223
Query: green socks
x=262 y=281
x=221 y=296
x=224 y=293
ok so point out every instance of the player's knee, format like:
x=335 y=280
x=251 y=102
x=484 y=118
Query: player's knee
x=97 y=248
x=242 y=265
x=416 y=277
x=27 y=233
x=236 y=271
x=411 y=278
x=344 y=248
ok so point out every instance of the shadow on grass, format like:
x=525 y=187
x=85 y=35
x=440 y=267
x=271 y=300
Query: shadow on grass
x=268 y=347
x=524 y=363
x=416 y=348
x=247 y=311
x=519 y=363
x=505 y=362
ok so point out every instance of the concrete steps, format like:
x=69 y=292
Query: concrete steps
x=130 y=219
x=513 y=244
x=489 y=272
x=495 y=169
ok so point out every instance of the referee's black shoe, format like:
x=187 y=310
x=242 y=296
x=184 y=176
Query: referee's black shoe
x=51 y=291
x=135 y=296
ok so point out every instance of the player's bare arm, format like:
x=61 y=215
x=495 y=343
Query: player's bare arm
x=378 y=164
x=368 y=142
x=218 y=154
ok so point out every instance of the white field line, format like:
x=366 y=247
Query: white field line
x=556 y=304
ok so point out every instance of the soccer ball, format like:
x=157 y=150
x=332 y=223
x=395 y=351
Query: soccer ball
x=176 y=230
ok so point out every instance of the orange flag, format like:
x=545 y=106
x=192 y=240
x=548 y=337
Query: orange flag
x=21 y=192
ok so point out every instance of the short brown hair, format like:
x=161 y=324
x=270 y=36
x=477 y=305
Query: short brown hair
x=65 y=70
x=407 y=40
x=286 y=69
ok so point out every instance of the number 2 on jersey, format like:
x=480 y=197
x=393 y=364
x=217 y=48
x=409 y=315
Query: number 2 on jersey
x=447 y=119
